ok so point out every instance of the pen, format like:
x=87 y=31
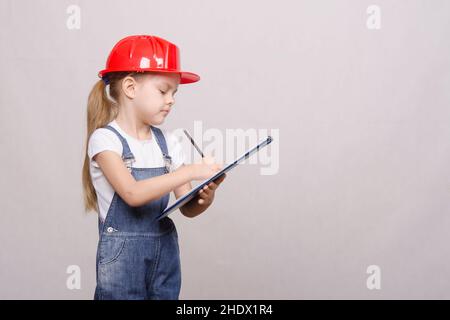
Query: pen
x=193 y=143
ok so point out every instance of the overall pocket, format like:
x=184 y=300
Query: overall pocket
x=110 y=249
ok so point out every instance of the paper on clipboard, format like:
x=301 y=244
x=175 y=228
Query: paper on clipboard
x=191 y=194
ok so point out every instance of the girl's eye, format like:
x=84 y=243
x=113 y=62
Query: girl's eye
x=162 y=91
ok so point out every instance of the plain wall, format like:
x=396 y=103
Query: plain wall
x=363 y=119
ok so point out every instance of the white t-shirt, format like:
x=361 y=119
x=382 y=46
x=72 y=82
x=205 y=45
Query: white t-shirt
x=147 y=154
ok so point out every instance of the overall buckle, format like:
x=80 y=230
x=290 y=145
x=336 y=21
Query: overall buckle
x=167 y=162
x=128 y=162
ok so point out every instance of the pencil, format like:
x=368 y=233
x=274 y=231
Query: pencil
x=193 y=143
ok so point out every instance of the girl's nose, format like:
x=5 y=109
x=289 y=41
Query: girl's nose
x=171 y=101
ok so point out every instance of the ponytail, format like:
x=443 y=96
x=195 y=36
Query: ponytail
x=102 y=108
x=100 y=111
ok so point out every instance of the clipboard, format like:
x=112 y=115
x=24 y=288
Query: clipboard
x=191 y=194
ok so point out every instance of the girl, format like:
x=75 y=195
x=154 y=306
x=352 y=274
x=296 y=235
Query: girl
x=131 y=166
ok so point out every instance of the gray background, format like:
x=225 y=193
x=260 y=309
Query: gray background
x=363 y=117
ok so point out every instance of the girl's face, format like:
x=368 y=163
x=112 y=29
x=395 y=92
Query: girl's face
x=154 y=96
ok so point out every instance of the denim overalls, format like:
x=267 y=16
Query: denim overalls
x=137 y=255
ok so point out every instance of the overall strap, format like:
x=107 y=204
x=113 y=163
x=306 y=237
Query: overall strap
x=126 y=153
x=161 y=140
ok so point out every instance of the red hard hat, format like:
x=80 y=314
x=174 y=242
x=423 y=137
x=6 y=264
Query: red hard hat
x=146 y=53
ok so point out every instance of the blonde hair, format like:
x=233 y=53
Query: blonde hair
x=101 y=110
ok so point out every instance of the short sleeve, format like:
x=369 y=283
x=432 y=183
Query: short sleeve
x=103 y=139
x=175 y=150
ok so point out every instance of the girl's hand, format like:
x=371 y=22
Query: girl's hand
x=206 y=195
x=204 y=169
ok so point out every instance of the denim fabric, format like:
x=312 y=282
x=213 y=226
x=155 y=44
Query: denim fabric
x=138 y=256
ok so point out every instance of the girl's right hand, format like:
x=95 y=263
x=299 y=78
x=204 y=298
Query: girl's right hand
x=205 y=169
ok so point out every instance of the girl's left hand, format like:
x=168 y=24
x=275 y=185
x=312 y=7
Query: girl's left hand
x=206 y=195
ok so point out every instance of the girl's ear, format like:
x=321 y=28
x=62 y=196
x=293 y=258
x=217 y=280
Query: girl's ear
x=129 y=87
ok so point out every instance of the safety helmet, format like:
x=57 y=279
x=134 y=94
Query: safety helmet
x=146 y=53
